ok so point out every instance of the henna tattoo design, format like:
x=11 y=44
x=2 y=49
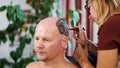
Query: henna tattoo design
x=62 y=27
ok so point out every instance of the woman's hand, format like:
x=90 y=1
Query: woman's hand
x=79 y=35
x=81 y=50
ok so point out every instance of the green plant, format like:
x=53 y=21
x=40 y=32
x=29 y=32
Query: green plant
x=24 y=31
x=74 y=16
x=17 y=26
x=16 y=17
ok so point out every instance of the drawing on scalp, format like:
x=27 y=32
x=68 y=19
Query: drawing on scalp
x=62 y=27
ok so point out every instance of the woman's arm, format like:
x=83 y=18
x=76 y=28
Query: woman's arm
x=81 y=56
x=92 y=48
x=81 y=38
x=107 y=58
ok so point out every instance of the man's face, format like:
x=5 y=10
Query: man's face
x=47 y=43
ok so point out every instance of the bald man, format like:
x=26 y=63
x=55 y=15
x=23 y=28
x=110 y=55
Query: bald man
x=50 y=39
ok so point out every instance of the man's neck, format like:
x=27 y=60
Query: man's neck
x=57 y=62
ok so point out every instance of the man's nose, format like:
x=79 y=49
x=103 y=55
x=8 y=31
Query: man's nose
x=41 y=45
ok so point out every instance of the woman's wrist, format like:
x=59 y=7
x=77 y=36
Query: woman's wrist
x=85 y=42
x=84 y=62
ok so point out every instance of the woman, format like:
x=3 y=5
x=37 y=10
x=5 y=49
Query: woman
x=106 y=13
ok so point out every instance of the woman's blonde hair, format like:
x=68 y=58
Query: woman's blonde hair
x=105 y=9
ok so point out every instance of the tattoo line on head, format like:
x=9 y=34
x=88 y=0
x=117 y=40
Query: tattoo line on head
x=62 y=27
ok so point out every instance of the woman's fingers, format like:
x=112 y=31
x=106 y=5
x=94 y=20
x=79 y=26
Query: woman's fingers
x=74 y=29
x=79 y=34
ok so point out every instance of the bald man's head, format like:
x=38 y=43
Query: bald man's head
x=53 y=22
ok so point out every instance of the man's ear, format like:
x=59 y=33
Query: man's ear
x=64 y=42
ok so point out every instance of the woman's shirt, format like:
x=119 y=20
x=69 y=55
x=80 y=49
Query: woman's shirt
x=109 y=34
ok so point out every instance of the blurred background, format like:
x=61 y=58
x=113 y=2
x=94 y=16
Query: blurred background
x=18 y=19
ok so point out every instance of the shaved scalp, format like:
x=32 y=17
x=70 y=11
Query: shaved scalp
x=62 y=27
x=59 y=22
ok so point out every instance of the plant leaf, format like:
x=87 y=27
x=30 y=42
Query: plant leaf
x=70 y=13
x=2 y=8
x=11 y=37
x=76 y=16
x=11 y=13
x=19 y=52
x=34 y=58
x=13 y=55
x=58 y=12
x=3 y=36
x=27 y=39
x=78 y=10
x=19 y=13
x=10 y=9
x=72 y=23
x=32 y=30
x=22 y=42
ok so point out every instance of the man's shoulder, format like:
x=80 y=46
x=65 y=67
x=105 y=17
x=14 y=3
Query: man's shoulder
x=32 y=65
x=71 y=65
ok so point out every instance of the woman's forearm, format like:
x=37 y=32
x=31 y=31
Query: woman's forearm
x=82 y=57
x=92 y=48
x=86 y=64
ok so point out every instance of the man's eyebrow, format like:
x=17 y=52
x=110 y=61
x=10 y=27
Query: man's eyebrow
x=62 y=26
